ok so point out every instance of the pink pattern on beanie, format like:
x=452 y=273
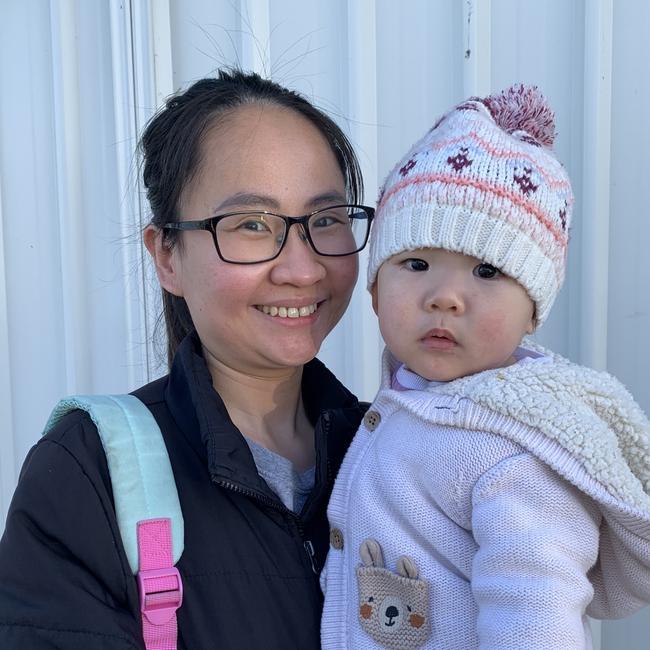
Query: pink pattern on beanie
x=484 y=182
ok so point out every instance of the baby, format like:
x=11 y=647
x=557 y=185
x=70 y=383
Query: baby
x=496 y=493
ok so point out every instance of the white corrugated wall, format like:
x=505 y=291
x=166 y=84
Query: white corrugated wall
x=78 y=78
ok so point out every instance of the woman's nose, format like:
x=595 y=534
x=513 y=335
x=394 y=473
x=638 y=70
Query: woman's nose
x=298 y=263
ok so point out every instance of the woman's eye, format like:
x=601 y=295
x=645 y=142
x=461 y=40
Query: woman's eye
x=254 y=225
x=415 y=264
x=324 y=221
x=486 y=271
x=330 y=218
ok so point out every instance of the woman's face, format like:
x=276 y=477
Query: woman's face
x=270 y=158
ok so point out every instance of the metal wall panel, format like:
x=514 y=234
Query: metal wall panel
x=80 y=78
x=30 y=228
x=72 y=288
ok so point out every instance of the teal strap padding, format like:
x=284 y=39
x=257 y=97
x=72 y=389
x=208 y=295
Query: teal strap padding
x=141 y=474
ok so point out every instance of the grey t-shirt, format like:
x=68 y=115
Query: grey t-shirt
x=292 y=487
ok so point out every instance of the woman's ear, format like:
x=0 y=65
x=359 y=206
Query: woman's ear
x=165 y=259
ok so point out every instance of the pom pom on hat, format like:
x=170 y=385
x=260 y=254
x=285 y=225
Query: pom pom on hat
x=484 y=182
x=523 y=108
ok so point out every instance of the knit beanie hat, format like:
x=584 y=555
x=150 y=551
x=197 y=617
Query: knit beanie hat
x=484 y=182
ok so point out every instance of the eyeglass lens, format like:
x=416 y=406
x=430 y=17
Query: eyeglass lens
x=255 y=237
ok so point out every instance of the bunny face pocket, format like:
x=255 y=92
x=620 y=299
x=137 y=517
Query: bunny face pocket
x=393 y=607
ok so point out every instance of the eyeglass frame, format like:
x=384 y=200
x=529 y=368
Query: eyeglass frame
x=210 y=225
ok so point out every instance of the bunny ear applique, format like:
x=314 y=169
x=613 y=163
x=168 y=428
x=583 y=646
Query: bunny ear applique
x=407 y=568
x=372 y=556
x=371 y=553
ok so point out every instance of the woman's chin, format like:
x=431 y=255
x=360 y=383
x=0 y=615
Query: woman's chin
x=296 y=353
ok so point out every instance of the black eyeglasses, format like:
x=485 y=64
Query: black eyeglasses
x=259 y=236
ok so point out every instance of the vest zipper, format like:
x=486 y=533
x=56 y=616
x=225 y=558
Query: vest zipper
x=251 y=493
x=309 y=547
x=306 y=544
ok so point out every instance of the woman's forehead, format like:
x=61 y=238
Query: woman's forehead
x=265 y=156
x=242 y=200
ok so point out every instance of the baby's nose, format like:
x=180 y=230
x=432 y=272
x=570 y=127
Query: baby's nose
x=446 y=297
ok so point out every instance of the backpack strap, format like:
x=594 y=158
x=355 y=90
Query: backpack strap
x=160 y=585
x=146 y=504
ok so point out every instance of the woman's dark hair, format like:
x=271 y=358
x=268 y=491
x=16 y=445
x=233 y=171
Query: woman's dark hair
x=171 y=153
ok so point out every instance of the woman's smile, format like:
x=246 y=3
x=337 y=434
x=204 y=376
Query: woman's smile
x=286 y=311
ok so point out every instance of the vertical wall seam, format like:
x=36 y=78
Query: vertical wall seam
x=162 y=50
x=8 y=460
x=134 y=101
x=161 y=55
x=596 y=182
x=69 y=194
x=363 y=365
x=477 y=54
x=139 y=215
x=255 y=19
x=121 y=65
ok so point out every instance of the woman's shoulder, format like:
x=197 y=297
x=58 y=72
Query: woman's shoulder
x=153 y=393
x=61 y=532
x=64 y=485
x=65 y=476
x=73 y=441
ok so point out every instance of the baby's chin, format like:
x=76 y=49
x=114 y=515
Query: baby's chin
x=446 y=375
x=434 y=375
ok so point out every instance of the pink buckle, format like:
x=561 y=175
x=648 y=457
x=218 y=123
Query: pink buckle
x=160 y=605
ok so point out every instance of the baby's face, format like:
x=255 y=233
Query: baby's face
x=446 y=315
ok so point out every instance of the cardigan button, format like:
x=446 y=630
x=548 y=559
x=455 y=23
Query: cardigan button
x=336 y=539
x=372 y=419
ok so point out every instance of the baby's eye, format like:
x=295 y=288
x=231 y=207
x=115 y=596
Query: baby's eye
x=415 y=264
x=486 y=271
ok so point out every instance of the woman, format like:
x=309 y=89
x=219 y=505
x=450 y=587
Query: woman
x=255 y=427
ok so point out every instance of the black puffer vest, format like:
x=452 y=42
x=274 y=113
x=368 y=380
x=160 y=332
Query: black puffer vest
x=250 y=566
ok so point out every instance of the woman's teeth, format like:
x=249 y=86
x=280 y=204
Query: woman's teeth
x=288 y=312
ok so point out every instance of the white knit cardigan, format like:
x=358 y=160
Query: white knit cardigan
x=518 y=495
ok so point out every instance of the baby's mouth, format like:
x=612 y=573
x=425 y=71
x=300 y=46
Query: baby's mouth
x=439 y=339
x=441 y=334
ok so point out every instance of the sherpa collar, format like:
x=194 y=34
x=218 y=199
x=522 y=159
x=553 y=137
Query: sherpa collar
x=589 y=413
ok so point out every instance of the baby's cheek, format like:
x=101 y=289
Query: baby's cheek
x=493 y=326
x=391 y=320
x=500 y=336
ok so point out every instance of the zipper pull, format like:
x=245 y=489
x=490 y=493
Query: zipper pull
x=309 y=547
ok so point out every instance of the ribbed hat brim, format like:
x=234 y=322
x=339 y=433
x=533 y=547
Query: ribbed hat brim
x=473 y=233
